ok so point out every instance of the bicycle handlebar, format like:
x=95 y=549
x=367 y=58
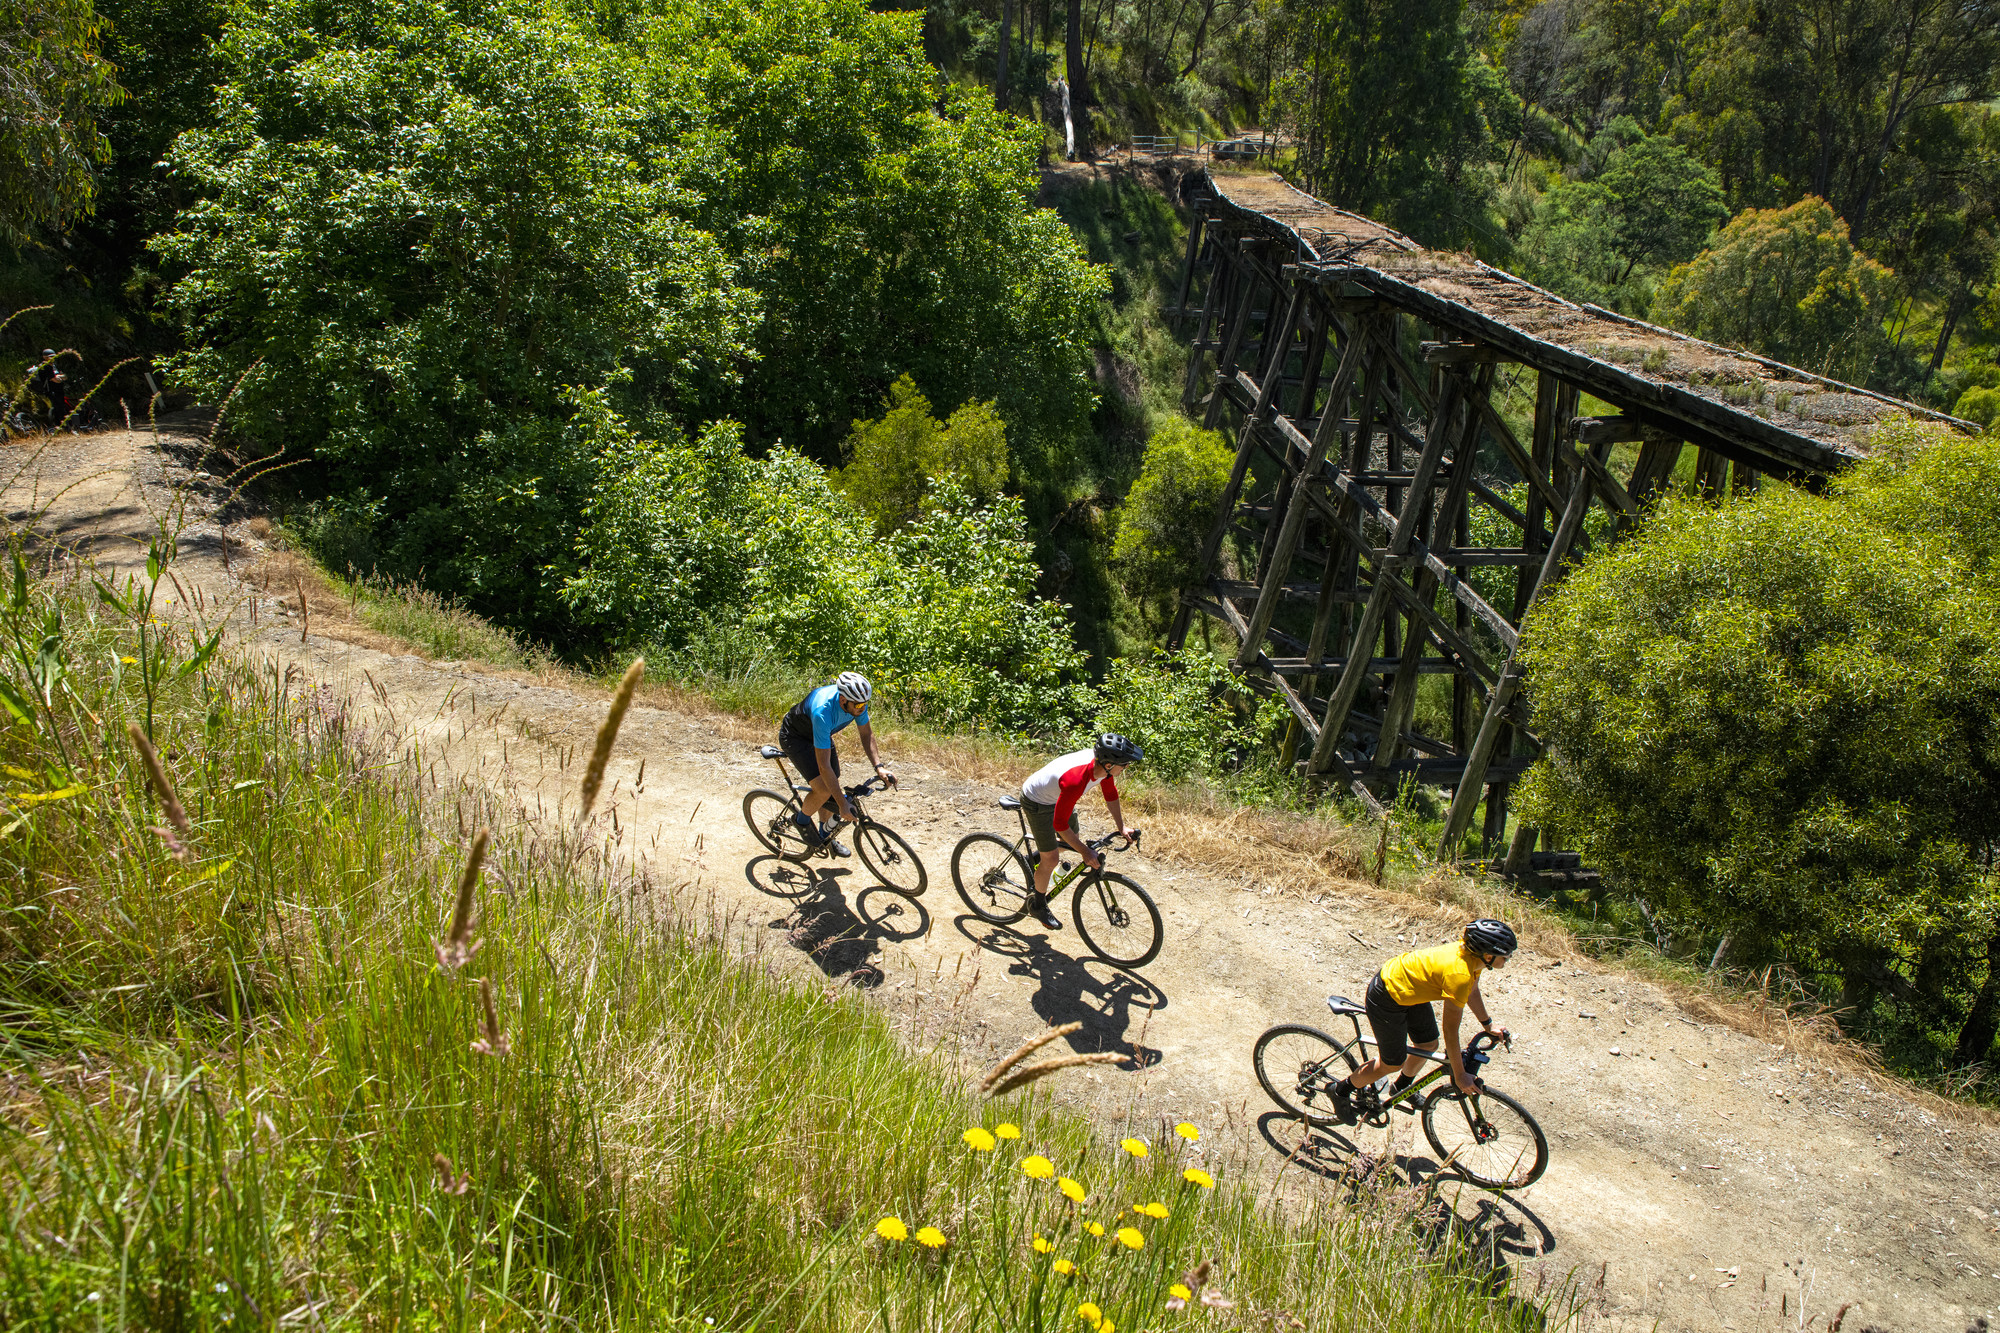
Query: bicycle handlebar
x=1130 y=841
x=878 y=782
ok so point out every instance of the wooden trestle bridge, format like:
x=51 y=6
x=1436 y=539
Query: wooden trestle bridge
x=1362 y=372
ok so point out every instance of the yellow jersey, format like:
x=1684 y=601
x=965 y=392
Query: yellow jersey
x=1446 y=972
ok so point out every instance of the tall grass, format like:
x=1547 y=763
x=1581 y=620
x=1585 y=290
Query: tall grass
x=243 y=1089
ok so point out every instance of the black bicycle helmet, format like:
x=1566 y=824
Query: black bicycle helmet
x=1112 y=748
x=1489 y=936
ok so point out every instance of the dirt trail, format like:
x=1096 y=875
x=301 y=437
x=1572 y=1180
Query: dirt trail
x=1687 y=1168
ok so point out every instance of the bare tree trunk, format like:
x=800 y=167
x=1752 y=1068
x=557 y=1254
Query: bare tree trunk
x=1079 y=80
x=1982 y=1025
x=1000 y=68
x=1951 y=314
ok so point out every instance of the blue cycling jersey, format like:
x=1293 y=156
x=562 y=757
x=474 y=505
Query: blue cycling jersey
x=823 y=708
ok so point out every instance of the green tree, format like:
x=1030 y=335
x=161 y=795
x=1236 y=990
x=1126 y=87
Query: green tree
x=1775 y=720
x=885 y=221
x=1788 y=283
x=1666 y=203
x=1387 y=98
x=894 y=460
x=55 y=89
x=1170 y=509
x=413 y=306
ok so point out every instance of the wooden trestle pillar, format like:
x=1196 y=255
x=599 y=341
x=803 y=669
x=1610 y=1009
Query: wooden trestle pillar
x=1341 y=555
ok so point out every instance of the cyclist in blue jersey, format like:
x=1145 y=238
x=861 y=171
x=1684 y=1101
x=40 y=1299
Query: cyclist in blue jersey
x=806 y=737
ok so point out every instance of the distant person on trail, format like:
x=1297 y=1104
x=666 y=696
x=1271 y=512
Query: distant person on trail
x=806 y=737
x=1049 y=800
x=1399 y=1008
x=51 y=385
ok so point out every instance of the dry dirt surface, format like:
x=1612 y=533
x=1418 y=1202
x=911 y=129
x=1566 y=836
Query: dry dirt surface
x=1699 y=1178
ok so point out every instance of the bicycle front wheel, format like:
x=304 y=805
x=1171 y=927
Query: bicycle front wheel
x=993 y=881
x=769 y=816
x=1117 y=920
x=1298 y=1066
x=894 y=861
x=1490 y=1139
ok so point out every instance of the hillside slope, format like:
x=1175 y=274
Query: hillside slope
x=1688 y=1168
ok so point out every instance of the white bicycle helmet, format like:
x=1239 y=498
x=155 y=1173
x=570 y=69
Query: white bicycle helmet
x=854 y=687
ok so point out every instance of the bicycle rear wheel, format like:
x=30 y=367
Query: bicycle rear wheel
x=1490 y=1139
x=1298 y=1066
x=992 y=880
x=894 y=861
x=1117 y=920
x=769 y=816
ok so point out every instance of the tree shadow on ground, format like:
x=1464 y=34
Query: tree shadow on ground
x=1090 y=991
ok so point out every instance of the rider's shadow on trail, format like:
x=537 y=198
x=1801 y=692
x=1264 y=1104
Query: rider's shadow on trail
x=1109 y=1001
x=841 y=940
x=1477 y=1227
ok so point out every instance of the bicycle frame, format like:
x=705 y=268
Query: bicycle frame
x=1475 y=1055
x=1100 y=845
x=854 y=793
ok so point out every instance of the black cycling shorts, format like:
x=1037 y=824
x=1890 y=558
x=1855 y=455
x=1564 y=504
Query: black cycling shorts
x=798 y=747
x=1042 y=823
x=1397 y=1025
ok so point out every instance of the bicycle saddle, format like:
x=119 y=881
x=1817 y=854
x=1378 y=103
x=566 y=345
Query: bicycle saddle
x=1010 y=803
x=771 y=752
x=1340 y=1004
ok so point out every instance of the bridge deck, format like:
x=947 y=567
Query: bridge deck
x=1747 y=406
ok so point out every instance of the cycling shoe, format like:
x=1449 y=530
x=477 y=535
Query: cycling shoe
x=1038 y=908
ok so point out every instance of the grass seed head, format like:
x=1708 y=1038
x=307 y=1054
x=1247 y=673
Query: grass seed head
x=457 y=948
x=607 y=735
x=183 y=832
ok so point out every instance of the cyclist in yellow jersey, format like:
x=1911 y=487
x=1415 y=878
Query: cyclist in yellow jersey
x=1399 y=1008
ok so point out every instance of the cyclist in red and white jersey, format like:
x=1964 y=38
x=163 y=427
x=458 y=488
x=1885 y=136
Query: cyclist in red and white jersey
x=1049 y=800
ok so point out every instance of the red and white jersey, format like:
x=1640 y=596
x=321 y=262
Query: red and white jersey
x=1063 y=782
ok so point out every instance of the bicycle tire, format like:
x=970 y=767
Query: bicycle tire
x=1102 y=893
x=1287 y=1055
x=769 y=816
x=997 y=877
x=1521 y=1147
x=893 y=860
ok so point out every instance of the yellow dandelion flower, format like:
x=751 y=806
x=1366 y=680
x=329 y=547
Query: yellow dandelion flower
x=1187 y=1131
x=1199 y=1177
x=1064 y=1267
x=1038 y=1168
x=1071 y=1190
x=1094 y=1228
x=892 y=1228
x=1090 y=1314
x=1107 y=1327
x=1007 y=1131
x=1043 y=1246
x=931 y=1238
x=1155 y=1210
x=129 y=661
x=979 y=1140
x=1137 y=1147
x=1179 y=1292
x=1129 y=1237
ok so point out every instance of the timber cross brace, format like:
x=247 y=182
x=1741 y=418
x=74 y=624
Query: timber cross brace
x=1362 y=370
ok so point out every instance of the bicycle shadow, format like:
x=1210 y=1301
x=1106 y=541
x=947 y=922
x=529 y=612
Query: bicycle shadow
x=1475 y=1225
x=841 y=940
x=1084 y=990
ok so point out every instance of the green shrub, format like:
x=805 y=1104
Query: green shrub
x=1189 y=712
x=1774 y=718
x=1170 y=509
x=893 y=460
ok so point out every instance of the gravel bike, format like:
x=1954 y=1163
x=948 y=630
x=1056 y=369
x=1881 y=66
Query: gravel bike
x=1115 y=917
x=770 y=817
x=1488 y=1138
